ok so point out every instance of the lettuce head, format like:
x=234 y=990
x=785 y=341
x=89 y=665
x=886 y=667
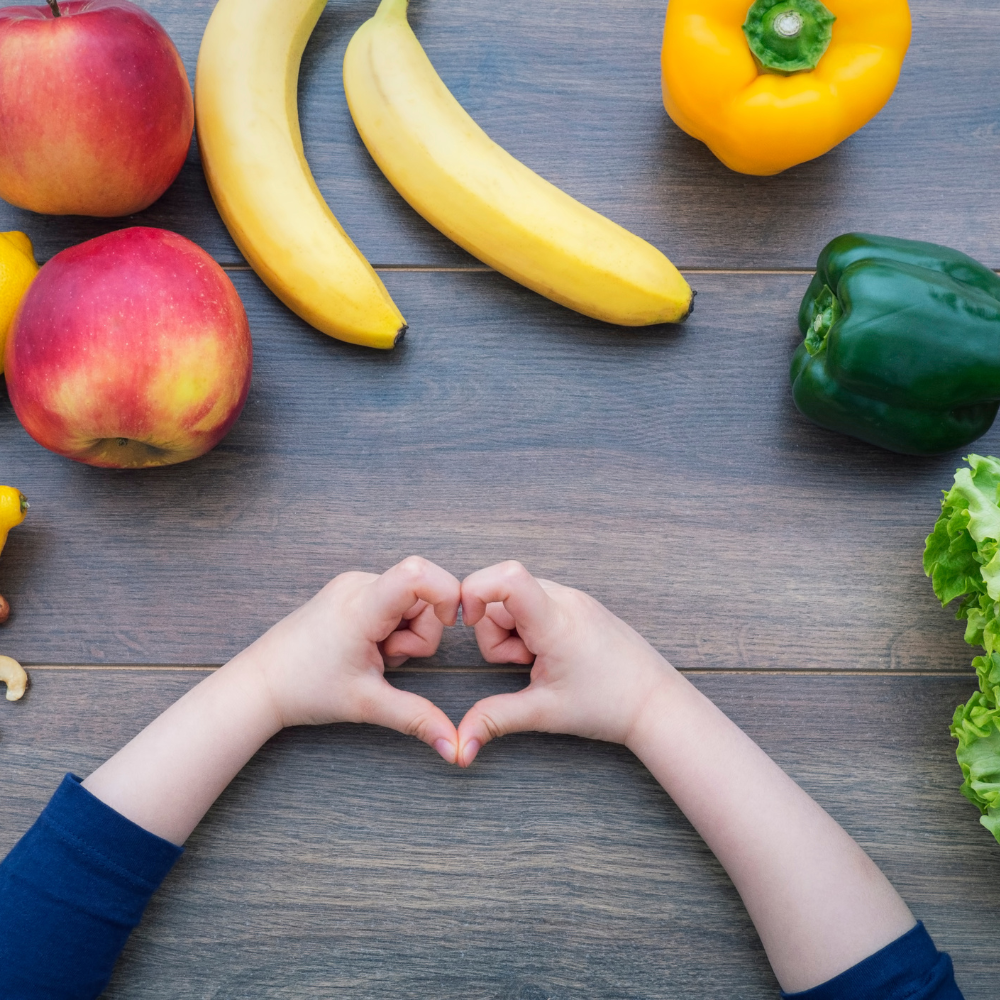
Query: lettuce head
x=962 y=558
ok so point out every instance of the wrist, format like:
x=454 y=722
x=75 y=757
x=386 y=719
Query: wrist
x=661 y=704
x=244 y=686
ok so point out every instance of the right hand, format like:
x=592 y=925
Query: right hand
x=592 y=673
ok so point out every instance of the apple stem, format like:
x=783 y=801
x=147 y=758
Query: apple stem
x=55 y=8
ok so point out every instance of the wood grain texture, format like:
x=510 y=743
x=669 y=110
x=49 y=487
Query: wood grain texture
x=351 y=862
x=572 y=88
x=665 y=472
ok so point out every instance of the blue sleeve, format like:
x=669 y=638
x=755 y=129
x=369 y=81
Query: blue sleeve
x=71 y=891
x=910 y=968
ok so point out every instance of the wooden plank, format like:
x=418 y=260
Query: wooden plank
x=665 y=472
x=572 y=88
x=350 y=861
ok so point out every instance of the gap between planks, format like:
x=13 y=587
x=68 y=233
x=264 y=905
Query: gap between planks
x=487 y=668
x=485 y=269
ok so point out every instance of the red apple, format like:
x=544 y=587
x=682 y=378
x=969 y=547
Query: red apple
x=95 y=108
x=128 y=351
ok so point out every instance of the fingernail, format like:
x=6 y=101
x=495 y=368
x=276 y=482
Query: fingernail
x=471 y=749
x=446 y=749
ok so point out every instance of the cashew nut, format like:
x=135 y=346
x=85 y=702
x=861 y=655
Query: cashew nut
x=14 y=675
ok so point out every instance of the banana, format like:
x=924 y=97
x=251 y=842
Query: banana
x=246 y=101
x=491 y=204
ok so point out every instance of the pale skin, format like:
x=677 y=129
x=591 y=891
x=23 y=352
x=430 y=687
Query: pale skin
x=818 y=902
x=322 y=664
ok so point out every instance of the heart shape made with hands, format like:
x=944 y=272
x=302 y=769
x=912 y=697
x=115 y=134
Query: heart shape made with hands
x=592 y=675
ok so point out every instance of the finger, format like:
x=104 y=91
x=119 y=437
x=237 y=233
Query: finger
x=522 y=596
x=388 y=598
x=409 y=713
x=499 y=614
x=413 y=612
x=418 y=637
x=499 y=715
x=499 y=644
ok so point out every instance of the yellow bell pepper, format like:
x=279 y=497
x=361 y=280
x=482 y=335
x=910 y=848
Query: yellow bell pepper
x=774 y=83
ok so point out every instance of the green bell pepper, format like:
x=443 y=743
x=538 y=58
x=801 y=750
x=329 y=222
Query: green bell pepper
x=902 y=344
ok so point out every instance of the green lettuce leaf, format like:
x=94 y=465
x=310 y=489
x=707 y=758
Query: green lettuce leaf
x=962 y=558
x=961 y=555
x=988 y=669
x=976 y=726
x=982 y=621
x=950 y=556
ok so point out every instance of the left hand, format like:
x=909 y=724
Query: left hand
x=324 y=662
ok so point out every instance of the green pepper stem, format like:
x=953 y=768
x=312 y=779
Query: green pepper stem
x=788 y=36
x=827 y=311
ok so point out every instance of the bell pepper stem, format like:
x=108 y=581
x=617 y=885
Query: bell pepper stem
x=788 y=36
x=828 y=311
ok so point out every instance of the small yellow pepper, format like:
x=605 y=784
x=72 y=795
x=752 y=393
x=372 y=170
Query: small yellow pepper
x=770 y=84
x=13 y=507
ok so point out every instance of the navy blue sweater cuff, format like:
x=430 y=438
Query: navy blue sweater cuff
x=910 y=968
x=71 y=891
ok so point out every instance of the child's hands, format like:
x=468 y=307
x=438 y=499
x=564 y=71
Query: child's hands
x=592 y=674
x=324 y=662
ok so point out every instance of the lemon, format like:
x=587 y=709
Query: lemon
x=17 y=270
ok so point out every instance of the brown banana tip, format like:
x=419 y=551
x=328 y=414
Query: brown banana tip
x=399 y=333
x=690 y=307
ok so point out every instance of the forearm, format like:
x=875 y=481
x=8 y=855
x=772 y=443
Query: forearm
x=817 y=900
x=167 y=778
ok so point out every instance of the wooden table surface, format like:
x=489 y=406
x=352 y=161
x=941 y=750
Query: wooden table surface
x=665 y=471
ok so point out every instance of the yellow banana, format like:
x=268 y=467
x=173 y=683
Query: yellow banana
x=246 y=101
x=477 y=194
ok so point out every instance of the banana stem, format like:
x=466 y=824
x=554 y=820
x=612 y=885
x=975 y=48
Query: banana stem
x=392 y=8
x=56 y=12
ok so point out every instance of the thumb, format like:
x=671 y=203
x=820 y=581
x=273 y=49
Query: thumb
x=499 y=715
x=413 y=715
